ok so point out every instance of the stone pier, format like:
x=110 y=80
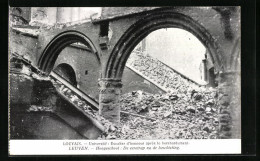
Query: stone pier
x=230 y=105
x=109 y=107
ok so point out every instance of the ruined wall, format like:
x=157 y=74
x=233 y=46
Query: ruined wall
x=53 y=15
x=20 y=15
x=21 y=90
x=222 y=24
x=223 y=27
x=86 y=67
x=23 y=45
x=218 y=28
x=109 y=12
x=21 y=83
x=84 y=63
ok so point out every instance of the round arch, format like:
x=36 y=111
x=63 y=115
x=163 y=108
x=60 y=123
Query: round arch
x=142 y=28
x=58 y=43
x=67 y=72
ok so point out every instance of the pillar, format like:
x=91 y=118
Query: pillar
x=230 y=105
x=109 y=106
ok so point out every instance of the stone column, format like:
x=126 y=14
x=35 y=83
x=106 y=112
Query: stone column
x=230 y=105
x=109 y=106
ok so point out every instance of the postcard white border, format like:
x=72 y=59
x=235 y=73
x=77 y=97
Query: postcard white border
x=114 y=147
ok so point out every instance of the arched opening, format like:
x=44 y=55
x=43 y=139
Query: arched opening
x=66 y=72
x=86 y=67
x=145 y=26
x=186 y=101
x=156 y=61
x=57 y=44
x=78 y=51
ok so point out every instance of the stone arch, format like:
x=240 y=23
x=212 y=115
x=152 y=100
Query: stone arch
x=58 y=43
x=143 y=27
x=67 y=72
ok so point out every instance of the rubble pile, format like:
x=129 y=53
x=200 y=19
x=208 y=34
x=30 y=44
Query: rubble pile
x=186 y=111
x=158 y=72
x=193 y=115
x=173 y=115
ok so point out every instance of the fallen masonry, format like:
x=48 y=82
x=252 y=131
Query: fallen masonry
x=179 y=123
x=184 y=111
x=170 y=118
x=189 y=112
x=159 y=73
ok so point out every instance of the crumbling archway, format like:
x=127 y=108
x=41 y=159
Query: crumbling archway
x=110 y=83
x=145 y=26
x=58 y=43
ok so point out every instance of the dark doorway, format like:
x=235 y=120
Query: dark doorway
x=67 y=72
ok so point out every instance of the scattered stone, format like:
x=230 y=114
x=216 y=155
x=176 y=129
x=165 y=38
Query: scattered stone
x=176 y=113
x=208 y=109
x=167 y=114
x=144 y=108
x=173 y=97
x=190 y=109
x=112 y=128
x=74 y=98
x=208 y=113
x=216 y=121
x=193 y=92
x=206 y=128
x=205 y=118
x=197 y=96
x=156 y=104
x=210 y=102
x=64 y=89
x=154 y=109
x=200 y=109
x=111 y=137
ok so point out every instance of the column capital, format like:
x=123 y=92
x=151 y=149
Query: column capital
x=109 y=83
x=229 y=76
